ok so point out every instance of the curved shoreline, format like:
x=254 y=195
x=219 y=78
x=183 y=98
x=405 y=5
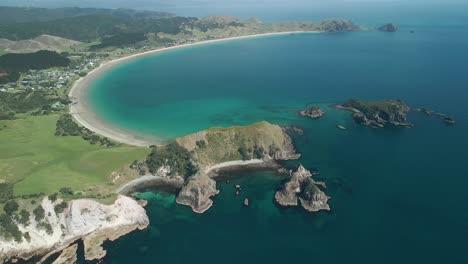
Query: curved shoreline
x=83 y=114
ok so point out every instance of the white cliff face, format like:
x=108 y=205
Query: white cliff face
x=82 y=217
x=86 y=216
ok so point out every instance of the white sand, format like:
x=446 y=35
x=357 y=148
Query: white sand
x=82 y=113
x=234 y=163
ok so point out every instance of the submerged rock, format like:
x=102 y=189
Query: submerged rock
x=391 y=27
x=449 y=120
x=301 y=187
x=197 y=192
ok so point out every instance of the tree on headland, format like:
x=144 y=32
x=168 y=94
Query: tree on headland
x=11 y=207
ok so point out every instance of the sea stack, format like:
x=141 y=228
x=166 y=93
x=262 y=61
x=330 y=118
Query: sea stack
x=197 y=192
x=301 y=187
x=391 y=27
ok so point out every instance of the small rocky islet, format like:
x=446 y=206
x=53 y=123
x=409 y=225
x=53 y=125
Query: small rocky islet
x=380 y=114
x=390 y=27
x=300 y=187
x=377 y=114
x=313 y=112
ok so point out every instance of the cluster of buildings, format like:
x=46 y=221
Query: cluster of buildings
x=54 y=78
x=58 y=78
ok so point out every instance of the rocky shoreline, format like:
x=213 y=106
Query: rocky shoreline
x=82 y=219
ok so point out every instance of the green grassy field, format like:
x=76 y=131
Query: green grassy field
x=36 y=161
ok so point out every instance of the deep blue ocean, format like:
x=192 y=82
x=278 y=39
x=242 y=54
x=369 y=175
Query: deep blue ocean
x=398 y=195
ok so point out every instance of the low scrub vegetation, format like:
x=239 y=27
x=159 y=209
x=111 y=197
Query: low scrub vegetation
x=67 y=127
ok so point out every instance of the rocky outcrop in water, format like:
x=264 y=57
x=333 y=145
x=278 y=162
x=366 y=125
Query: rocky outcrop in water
x=444 y=117
x=378 y=114
x=391 y=27
x=197 y=192
x=302 y=188
x=313 y=112
x=68 y=255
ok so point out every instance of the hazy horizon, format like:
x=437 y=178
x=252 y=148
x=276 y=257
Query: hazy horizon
x=272 y=10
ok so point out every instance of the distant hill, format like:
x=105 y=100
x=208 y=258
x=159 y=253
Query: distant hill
x=86 y=28
x=14 y=15
x=43 y=42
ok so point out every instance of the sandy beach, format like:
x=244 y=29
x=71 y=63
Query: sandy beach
x=83 y=114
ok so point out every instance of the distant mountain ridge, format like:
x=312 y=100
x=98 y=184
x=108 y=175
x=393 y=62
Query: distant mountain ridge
x=91 y=27
x=14 y=15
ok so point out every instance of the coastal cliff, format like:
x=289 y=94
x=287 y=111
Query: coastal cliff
x=301 y=187
x=81 y=219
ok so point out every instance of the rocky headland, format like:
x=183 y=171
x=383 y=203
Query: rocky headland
x=81 y=219
x=313 y=112
x=300 y=187
x=257 y=145
x=378 y=114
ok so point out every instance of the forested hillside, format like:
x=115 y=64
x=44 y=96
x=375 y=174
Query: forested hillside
x=12 y=64
x=13 y=15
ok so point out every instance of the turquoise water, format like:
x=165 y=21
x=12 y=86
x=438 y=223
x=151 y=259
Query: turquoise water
x=398 y=195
